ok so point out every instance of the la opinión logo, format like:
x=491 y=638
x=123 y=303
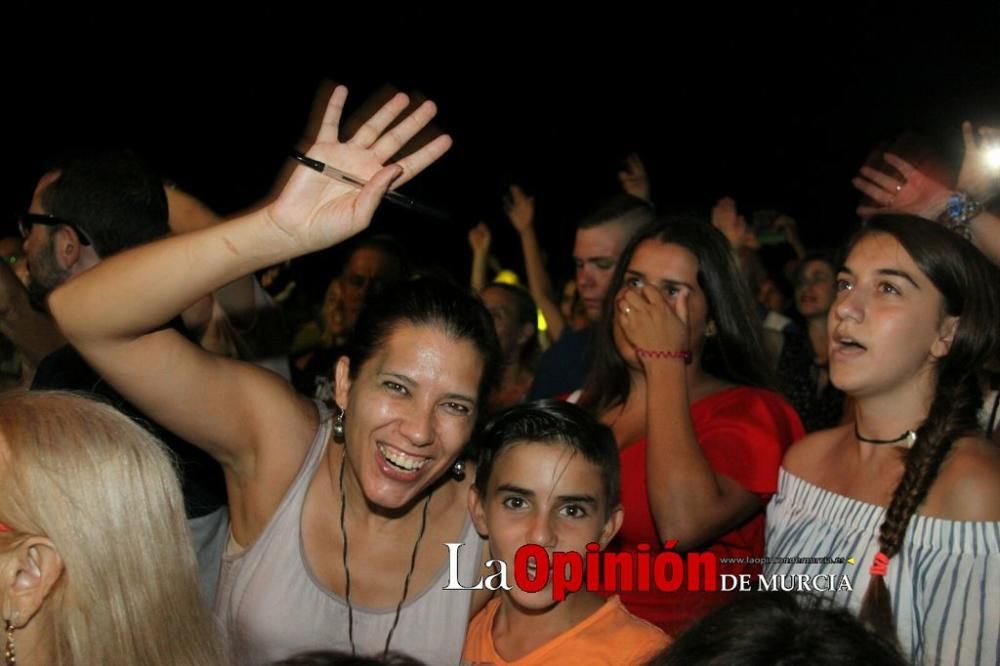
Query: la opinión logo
x=596 y=571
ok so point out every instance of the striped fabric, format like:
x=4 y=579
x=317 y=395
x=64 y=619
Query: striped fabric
x=944 y=583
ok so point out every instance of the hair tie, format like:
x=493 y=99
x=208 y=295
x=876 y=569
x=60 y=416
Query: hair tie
x=880 y=566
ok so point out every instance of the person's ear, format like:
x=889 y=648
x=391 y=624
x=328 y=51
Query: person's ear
x=611 y=526
x=342 y=381
x=66 y=247
x=947 y=330
x=28 y=578
x=477 y=512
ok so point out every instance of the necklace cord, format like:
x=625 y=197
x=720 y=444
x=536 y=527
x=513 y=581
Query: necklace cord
x=347 y=570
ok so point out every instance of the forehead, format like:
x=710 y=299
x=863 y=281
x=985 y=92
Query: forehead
x=816 y=265
x=494 y=297
x=606 y=240
x=427 y=354
x=664 y=261
x=547 y=467
x=882 y=251
x=369 y=261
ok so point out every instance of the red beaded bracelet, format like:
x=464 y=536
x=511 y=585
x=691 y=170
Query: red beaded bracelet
x=655 y=353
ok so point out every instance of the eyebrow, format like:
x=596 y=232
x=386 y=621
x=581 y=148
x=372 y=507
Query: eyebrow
x=582 y=499
x=511 y=488
x=411 y=382
x=664 y=283
x=895 y=272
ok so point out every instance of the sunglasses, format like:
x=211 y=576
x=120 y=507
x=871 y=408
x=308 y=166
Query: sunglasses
x=28 y=220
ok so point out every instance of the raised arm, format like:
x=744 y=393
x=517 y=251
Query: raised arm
x=232 y=409
x=634 y=179
x=520 y=209
x=917 y=194
x=479 y=241
x=236 y=299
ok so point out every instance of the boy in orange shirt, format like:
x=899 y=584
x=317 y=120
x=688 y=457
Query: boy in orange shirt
x=548 y=474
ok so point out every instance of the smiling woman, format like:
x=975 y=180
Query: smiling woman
x=408 y=393
x=319 y=506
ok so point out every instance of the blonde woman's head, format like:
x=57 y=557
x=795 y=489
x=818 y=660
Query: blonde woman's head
x=96 y=563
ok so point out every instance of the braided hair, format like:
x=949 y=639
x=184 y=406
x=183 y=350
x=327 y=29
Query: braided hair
x=962 y=275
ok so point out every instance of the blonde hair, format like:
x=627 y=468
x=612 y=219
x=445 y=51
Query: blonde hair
x=105 y=493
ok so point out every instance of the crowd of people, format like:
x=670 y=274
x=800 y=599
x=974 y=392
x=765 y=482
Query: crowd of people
x=183 y=480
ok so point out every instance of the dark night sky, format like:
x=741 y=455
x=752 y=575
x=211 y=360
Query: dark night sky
x=779 y=114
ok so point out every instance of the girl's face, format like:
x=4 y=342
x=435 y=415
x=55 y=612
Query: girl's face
x=512 y=334
x=673 y=269
x=887 y=325
x=815 y=290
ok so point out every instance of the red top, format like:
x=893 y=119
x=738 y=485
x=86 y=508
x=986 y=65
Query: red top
x=743 y=433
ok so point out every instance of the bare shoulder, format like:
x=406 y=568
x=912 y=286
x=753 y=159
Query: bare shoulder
x=968 y=485
x=808 y=455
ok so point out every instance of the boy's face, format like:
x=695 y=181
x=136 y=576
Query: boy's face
x=545 y=494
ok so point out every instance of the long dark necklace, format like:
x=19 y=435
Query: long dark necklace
x=347 y=571
x=909 y=437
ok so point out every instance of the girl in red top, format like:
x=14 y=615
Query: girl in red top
x=681 y=378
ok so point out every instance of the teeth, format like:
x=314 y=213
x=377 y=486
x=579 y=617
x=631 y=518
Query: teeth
x=401 y=460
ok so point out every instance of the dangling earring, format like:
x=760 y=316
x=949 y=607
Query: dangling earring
x=458 y=470
x=10 y=659
x=338 y=427
x=710 y=329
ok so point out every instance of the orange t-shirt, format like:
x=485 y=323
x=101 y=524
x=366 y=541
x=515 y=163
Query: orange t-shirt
x=611 y=635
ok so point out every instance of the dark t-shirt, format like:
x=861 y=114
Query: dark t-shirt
x=564 y=366
x=202 y=481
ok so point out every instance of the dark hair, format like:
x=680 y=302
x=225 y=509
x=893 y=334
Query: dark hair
x=734 y=354
x=550 y=421
x=766 y=628
x=433 y=302
x=387 y=245
x=963 y=276
x=624 y=209
x=827 y=258
x=336 y=658
x=114 y=197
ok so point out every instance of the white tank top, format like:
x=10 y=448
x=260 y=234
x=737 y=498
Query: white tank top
x=270 y=606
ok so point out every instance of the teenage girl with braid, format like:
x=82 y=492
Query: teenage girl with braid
x=909 y=490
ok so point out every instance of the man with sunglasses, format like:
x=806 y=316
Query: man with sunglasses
x=93 y=207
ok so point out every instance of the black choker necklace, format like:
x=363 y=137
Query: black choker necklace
x=909 y=437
